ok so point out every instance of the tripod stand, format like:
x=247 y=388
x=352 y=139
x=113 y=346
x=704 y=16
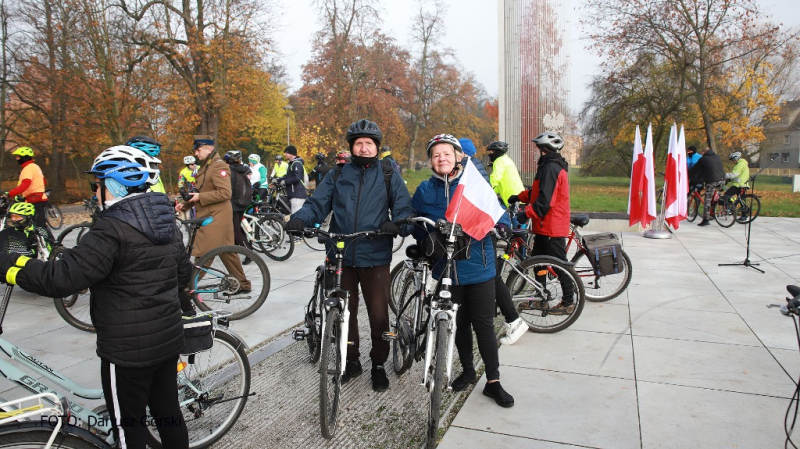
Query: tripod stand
x=746 y=262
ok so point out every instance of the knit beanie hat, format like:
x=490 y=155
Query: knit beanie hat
x=467 y=146
x=291 y=150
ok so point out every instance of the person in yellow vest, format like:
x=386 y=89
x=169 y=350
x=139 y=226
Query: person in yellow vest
x=31 y=185
x=186 y=176
x=280 y=168
x=505 y=178
x=153 y=149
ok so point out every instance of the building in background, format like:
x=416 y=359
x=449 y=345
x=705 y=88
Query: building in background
x=783 y=137
x=534 y=75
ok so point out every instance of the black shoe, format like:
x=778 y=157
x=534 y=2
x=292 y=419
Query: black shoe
x=704 y=223
x=379 y=380
x=351 y=370
x=247 y=260
x=496 y=392
x=463 y=381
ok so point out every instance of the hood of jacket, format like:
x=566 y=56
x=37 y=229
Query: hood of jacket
x=241 y=168
x=552 y=157
x=151 y=213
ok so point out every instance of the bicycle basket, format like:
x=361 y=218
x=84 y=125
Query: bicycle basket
x=198 y=334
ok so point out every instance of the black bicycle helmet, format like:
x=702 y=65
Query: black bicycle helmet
x=233 y=156
x=498 y=146
x=320 y=157
x=364 y=128
x=549 y=141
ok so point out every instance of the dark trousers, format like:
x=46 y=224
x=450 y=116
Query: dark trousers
x=502 y=295
x=544 y=245
x=710 y=187
x=375 y=283
x=129 y=390
x=40 y=219
x=238 y=233
x=476 y=311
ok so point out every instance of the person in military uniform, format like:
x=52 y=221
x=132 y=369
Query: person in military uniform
x=213 y=197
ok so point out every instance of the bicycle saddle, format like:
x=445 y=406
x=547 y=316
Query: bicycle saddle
x=196 y=221
x=415 y=252
x=579 y=220
x=793 y=290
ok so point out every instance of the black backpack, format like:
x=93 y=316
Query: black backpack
x=241 y=190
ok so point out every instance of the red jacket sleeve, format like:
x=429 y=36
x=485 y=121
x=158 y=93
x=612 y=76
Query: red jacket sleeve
x=23 y=186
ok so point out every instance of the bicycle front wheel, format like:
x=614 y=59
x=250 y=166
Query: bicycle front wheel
x=313 y=319
x=213 y=387
x=692 y=207
x=401 y=275
x=330 y=374
x=437 y=385
x=743 y=209
x=53 y=216
x=603 y=288
x=75 y=308
x=724 y=214
x=71 y=235
x=539 y=295
x=219 y=288
x=273 y=241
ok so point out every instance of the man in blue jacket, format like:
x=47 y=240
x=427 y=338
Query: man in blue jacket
x=358 y=196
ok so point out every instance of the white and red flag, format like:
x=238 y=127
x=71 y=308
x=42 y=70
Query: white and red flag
x=474 y=204
x=676 y=179
x=642 y=197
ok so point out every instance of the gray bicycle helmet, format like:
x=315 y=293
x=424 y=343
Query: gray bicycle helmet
x=364 y=128
x=549 y=141
x=443 y=138
x=735 y=156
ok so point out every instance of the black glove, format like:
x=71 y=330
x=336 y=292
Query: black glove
x=6 y=261
x=390 y=228
x=513 y=199
x=522 y=217
x=503 y=230
x=294 y=225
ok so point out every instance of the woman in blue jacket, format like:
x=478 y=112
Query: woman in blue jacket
x=473 y=277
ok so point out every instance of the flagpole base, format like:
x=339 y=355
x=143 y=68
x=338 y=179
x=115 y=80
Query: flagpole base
x=651 y=234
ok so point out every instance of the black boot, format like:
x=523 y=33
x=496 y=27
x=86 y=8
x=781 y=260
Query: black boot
x=496 y=392
x=351 y=370
x=379 y=380
x=704 y=223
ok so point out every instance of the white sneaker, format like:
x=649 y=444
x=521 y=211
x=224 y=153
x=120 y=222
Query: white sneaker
x=514 y=330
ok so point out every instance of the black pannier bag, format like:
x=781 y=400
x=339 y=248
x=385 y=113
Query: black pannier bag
x=603 y=251
x=197 y=333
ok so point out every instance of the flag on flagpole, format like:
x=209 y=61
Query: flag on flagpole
x=637 y=180
x=648 y=209
x=474 y=204
x=676 y=179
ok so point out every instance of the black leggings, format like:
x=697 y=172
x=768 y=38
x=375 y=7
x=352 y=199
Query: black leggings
x=129 y=390
x=476 y=311
x=503 y=295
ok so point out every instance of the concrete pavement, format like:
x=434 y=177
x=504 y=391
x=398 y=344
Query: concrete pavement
x=689 y=356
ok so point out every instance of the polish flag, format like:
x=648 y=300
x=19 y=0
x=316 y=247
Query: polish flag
x=474 y=204
x=642 y=199
x=676 y=179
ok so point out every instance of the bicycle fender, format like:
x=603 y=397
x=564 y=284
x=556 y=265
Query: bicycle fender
x=233 y=334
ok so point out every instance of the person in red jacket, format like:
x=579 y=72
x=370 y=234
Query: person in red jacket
x=548 y=208
x=31 y=185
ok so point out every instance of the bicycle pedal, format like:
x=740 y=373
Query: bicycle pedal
x=389 y=336
x=299 y=334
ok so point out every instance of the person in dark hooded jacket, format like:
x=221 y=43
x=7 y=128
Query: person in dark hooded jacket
x=133 y=262
x=710 y=171
x=359 y=199
x=234 y=159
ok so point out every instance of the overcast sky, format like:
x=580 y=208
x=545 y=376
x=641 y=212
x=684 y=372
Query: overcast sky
x=471 y=33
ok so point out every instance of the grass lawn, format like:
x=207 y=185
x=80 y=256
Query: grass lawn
x=610 y=194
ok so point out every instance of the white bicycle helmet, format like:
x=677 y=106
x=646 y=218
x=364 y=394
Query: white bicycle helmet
x=443 y=138
x=735 y=156
x=128 y=160
x=254 y=158
x=550 y=141
x=188 y=160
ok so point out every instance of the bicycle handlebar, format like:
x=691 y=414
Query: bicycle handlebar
x=310 y=232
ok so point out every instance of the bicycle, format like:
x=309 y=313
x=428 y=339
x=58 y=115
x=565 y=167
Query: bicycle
x=265 y=232
x=314 y=317
x=18 y=426
x=336 y=319
x=723 y=215
x=72 y=234
x=599 y=288
x=213 y=287
x=436 y=333
x=743 y=202
x=213 y=386
x=52 y=213
x=792 y=309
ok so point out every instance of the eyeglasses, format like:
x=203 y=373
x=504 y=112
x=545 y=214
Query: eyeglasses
x=93 y=185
